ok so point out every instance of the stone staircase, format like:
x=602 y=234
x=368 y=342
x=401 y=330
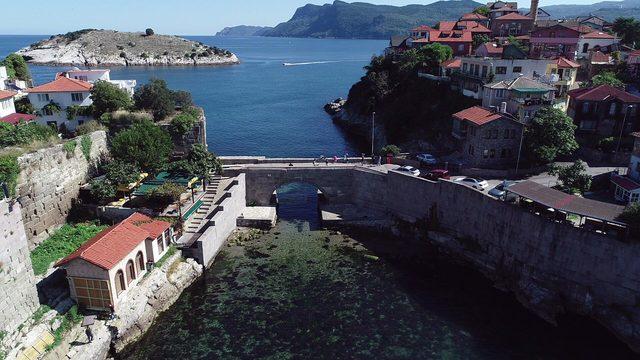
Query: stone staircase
x=197 y=219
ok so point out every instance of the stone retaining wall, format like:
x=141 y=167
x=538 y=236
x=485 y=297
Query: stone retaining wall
x=50 y=181
x=18 y=294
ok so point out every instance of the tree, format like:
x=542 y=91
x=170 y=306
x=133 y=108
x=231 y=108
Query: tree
x=144 y=144
x=607 y=78
x=480 y=39
x=182 y=98
x=182 y=123
x=149 y=32
x=631 y=216
x=573 y=178
x=628 y=29
x=429 y=56
x=108 y=97
x=122 y=173
x=164 y=195
x=390 y=149
x=103 y=191
x=155 y=97
x=482 y=10
x=517 y=43
x=17 y=67
x=23 y=106
x=551 y=134
x=203 y=162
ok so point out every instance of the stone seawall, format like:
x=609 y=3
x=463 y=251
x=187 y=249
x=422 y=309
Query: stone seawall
x=18 y=294
x=50 y=181
x=552 y=268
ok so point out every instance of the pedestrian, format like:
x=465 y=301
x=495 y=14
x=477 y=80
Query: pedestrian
x=362 y=158
x=326 y=161
x=335 y=159
x=346 y=157
x=89 y=334
x=314 y=161
x=379 y=159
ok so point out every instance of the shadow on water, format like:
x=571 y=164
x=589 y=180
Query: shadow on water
x=298 y=204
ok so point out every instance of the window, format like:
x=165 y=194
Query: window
x=612 y=109
x=517 y=69
x=588 y=125
x=461 y=47
x=92 y=293
x=585 y=107
x=81 y=78
x=120 y=285
x=492 y=153
x=513 y=133
x=506 y=133
x=500 y=93
x=503 y=153
x=140 y=262
x=167 y=238
x=485 y=154
x=476 y=70
x=77 y=97
x=585 y=48
x=464 y=67
x=484 y=71
x=5 y=105
x=495 y=134
x=471 y=150
x=43 y=97
x=47 y=112
x=131 y=272
x=501 y=69
x=160 y=245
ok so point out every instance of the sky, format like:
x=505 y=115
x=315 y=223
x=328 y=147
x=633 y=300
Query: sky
x=184 y=17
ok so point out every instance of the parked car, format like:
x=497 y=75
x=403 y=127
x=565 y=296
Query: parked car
x=409 y=170
x=475 y=183
x=427 y=159
x=499 y=191
x=438 y=174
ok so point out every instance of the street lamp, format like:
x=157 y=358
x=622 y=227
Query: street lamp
x=624 y=121
x=373 y=129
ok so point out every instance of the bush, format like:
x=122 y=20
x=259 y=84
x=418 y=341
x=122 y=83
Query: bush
x=70 y=148
x=122 y=173
x=24 y=133
x=182 y=99
x=85 y=144
x=9 y=172
x=182 y=124
x=103 y=191
x=144 y=144
x=76 y=110
x=390 y=149
x=89 y=127
x=62 y=243
x=631 y=216
x=164 y=195
x=149 y=32
x=607 y=144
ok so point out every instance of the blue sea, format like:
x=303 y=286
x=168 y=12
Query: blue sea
x=259 y=107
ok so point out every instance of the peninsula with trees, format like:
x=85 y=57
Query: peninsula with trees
x=91 y=47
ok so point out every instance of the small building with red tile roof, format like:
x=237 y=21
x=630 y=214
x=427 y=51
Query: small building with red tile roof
x=604 y=110
x=421 y=31
x=486 y=137
x=511 y=24
x=102 y=270
x=7 y=106
x=554 y=41
x=594 y=41
x=479 y=18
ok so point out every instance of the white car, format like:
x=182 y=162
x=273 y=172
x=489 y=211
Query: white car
x=427 y=159
x=409 y=170
x=475 y=183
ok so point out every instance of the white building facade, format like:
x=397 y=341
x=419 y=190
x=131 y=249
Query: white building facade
x=53 y=100
x=93 y=75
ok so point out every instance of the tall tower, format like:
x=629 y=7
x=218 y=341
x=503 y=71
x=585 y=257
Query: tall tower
x=534 y=10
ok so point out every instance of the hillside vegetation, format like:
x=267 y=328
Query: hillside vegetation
x=367 y=21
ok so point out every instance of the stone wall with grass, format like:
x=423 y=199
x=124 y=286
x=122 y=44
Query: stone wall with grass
x=18 y=294
x=50 y=181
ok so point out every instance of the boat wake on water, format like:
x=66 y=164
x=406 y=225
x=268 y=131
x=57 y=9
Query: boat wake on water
x=316 y=62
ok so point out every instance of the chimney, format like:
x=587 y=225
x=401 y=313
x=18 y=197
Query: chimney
x=534 y=10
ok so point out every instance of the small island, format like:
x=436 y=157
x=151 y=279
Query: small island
x=90 y=47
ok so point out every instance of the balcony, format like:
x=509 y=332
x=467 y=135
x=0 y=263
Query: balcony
x=467 y=75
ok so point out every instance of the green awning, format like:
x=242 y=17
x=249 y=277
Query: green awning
x=185 y=180
x=532 y=90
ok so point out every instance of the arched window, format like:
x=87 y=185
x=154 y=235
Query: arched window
x=120 y=286
x=140 y=261
x=131 y=272
x=585 y=48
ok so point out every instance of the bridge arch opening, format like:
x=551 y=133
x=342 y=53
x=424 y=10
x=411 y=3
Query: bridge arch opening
x=299 y=202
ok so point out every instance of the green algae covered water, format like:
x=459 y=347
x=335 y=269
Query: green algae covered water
x=298 y=292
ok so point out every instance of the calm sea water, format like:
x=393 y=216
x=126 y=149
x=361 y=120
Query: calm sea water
x=259 y=107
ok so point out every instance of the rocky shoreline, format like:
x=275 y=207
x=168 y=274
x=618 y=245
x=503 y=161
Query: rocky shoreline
x=113 y=48
x=355 y=124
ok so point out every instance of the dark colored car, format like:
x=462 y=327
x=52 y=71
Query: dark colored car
x=438 y=174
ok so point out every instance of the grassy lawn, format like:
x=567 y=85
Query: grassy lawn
x=62 y=243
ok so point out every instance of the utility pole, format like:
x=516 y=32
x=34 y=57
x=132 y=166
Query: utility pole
x=520 y=148
x=624 y=121
x=373 y=130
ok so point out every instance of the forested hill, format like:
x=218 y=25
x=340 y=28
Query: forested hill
x=367 y=21
x=609 y=10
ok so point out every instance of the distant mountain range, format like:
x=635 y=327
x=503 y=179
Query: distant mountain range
x=367 y=21
x=244 y=30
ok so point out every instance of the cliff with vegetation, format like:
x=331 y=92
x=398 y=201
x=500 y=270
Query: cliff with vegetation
x=367 y=21
x=91 y=47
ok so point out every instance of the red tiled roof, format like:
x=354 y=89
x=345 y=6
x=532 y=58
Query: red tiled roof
x=6 y=94
x=422 y=28
x=477 y=115
x=446 y=25
x=598 y=35
x=473 y=26
x=599 y=57
x=504 y=8
x=583 y=29
x=625 y=183
x=473 y=16
x=452 y=63
x=62 y=84
x=450 y=36
x=514 y=16
x=603 y=92
x=566 y=63
x=493 y=48
x=110 y=246
x=14 y=119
